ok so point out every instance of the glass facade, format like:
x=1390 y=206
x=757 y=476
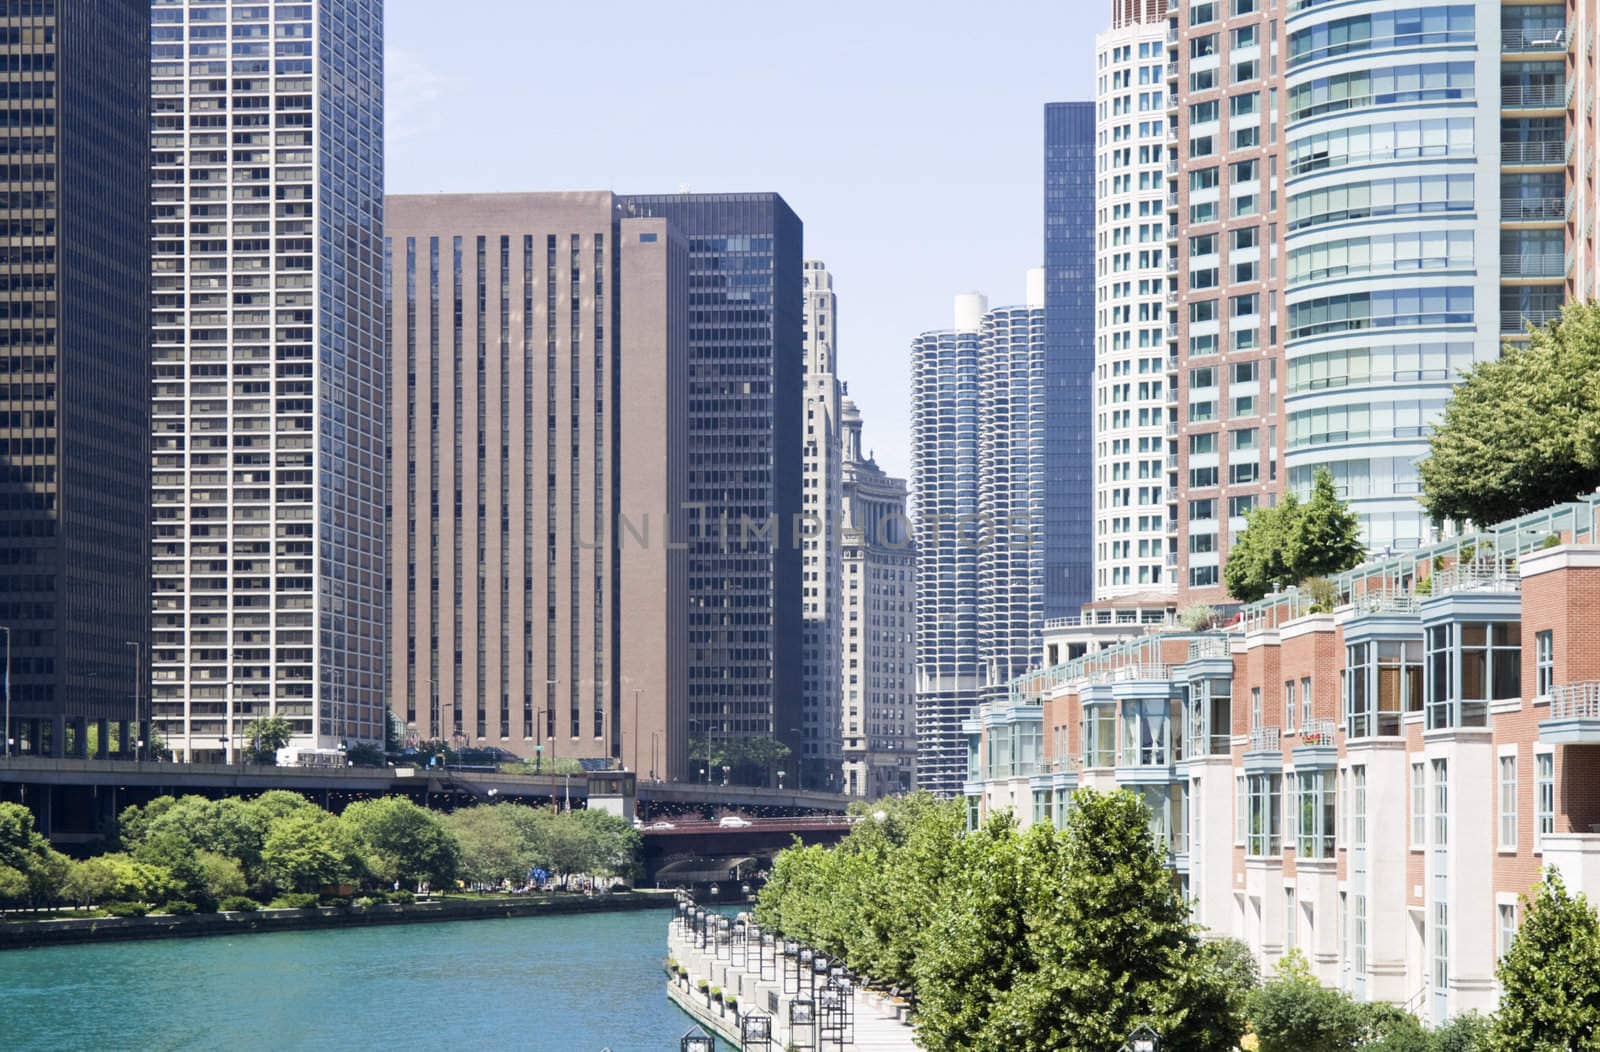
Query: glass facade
x=1069 y=332
x=746 y=353
x=1392 y=183
x=74 y=373
x=269 y=422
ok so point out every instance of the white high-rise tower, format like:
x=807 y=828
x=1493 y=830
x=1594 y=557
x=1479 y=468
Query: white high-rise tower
x=269 y=434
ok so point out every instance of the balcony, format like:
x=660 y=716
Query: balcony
x=1551 y=265
x=1266 y=739
x=1213 y=647
x=1574 y=717
x=1533 y=96
x=1533 y=209
x=1527 y=41
x=1384 y=601
x=1534 y=153
x=1517 y=321
x=1492 y=576
x=1318 y=733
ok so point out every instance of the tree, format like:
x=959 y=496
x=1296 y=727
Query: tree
x=1292 y=1012
x=177 y=855
x=221 y=877
x=497 y=842
x=307 y=849
x=1110 y=943
x=26 y=851
x=1522 y=432
x=1550 y=978
x=977 y=942
x=398 y=840
x=1286 y=544
x=116 y=877
x=1327 y=536
x=612 y=845
x=1197 y=617
x=266 y=736
x=1258 y=563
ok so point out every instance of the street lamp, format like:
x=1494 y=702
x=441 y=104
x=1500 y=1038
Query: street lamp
x=725 y=770
x=1143 y=1039
x=136 y=655
x=6 y=737
x=696 y=1040
x=780 y=779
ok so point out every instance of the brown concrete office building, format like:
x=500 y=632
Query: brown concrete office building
x=539 y=398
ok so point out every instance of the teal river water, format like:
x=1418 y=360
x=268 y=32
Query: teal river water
x=549 y=984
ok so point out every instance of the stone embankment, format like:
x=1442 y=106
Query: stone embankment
x=20 y=934
x=731 y=979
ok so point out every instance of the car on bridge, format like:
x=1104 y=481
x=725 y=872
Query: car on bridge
x=734 y=822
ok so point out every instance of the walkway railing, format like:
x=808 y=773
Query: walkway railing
x=1575 y=701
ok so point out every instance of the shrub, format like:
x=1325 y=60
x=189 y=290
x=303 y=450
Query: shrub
x=1197 y=618
x=177 y=907
x=295 y=900
x=366 y=900
x=401 y=898
x=126 y=909
x=340 y=901
x=240 y=904
x=701 y=985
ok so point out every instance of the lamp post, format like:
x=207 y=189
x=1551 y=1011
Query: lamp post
x=696 y=1040
x=137 y=736
x=780 y=779
x=655 y=738
x=634 y=741
x=5 y=738
x=725 y=771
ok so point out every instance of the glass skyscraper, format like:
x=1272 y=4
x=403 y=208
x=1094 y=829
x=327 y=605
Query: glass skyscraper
x=74 y=375
x=1069 y=255
x=745 y=464
x=269 y=421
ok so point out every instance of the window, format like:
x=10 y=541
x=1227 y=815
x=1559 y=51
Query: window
x=1506 y=912
x=1242 y=474
x=1317 y=823
x=1266 y=814
x=1199 y=477
x=1508 y=803
x=1544 y=797
x=1544 y=663
x=1305 y=698
x=1288 y=707
x=1490 y=663
x=1290 y=919
x=1241 y=810
x=1255 y=707
x=1441 y=803
x=1419 y=808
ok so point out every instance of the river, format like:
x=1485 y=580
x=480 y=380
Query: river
x=549 y=984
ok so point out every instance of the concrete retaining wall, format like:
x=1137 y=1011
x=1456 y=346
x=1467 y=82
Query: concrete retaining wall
x=21 y=934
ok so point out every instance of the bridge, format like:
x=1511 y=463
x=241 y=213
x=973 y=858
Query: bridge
x=698 y=853
x=74 y=799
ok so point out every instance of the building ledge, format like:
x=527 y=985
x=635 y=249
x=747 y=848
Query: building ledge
x=1576 y=730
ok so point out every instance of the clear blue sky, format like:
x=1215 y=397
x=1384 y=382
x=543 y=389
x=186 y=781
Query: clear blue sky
x=905 y=134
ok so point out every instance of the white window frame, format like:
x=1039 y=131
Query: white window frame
x=1419 y=803
x=1541 y=757
x=1505 y=910
x=1507 y=798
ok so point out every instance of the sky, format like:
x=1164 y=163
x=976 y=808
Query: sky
x=906 y=135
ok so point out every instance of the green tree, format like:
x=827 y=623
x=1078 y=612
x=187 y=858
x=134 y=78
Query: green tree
x=13 y=886
x=1111 y=944
x=116 y=877
x=1259 y=561
x=176 y=854
x=1467 y=1032
x=1327 y=535
x=1550 y=978
x=977 y=944
x=497 y=842
x=221 y=877
x=1286 y=544
x=398 y=840
x=1522 y=432
x=26 y=851
x=613 y=846
x=265 y=736
x=308 y=848
x=1292 y=1012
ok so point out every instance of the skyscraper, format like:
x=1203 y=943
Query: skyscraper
x=74 y=373
x=745 y=366
x=269 y=415
x=944 y=480
x=878 y=639
x=820 y=548
x=1067 y=529
x=538 y=411
x=1130 y=415
x=1224 y=295
x=979 y=411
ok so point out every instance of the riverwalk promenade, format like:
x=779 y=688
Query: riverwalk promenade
x=741 y=984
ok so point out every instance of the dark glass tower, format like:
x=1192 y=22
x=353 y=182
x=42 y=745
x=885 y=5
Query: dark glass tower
x=75 y=371
x=1069 y=253
x=746 y=354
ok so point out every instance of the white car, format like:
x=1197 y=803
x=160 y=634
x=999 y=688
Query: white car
x=663 y=824
x=733 y=822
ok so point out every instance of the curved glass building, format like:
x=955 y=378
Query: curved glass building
x=1393 y=142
